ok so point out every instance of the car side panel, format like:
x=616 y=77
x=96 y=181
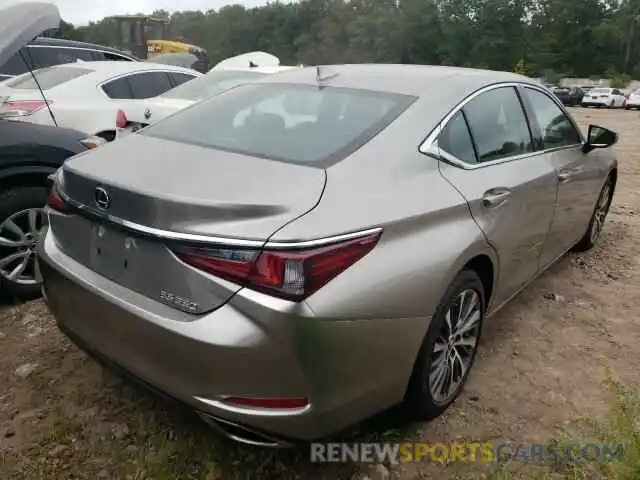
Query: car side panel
x=428 y=236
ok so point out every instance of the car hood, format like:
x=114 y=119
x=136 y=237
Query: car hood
x=23 y=22
x=247 y=61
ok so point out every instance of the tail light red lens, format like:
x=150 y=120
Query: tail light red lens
x=22 y=108
x=291 y=275
x=54 y=200
x=121 y=119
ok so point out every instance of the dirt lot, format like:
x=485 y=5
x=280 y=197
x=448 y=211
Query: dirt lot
x=542 y=366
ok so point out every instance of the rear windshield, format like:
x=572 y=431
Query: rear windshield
x=48 y=78
x=210 y=84
x=301 y=124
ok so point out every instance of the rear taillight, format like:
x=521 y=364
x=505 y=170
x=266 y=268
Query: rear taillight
x=22 y=108
x=289 y=274
x=121 y=119
x=54 y=199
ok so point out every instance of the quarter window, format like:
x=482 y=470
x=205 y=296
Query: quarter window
x=456 y=140
x=498 y=125
x=118 y=88
x=556 y=128
x=180 y=78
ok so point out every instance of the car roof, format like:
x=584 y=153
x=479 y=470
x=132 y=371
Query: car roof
x=60 y=42
x=412 y=80
x=111 y=68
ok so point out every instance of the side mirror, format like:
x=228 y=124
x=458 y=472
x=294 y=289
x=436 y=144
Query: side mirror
x=599 y=137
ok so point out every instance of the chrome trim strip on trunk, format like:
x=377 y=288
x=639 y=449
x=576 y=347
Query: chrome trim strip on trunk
x=211 y=239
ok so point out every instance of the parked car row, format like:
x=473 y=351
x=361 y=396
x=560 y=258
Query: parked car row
x=233 y=254
x=590 y=96
x=51 y=113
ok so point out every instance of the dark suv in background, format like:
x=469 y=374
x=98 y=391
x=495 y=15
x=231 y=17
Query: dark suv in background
x=47 y=52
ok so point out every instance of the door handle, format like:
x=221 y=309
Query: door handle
x=495 y=197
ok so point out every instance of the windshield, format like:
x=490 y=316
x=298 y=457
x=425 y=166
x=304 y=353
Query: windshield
x=291 y=123
x=210 y=84
x=49 y=77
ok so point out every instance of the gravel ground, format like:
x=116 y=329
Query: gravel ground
x=542 y=366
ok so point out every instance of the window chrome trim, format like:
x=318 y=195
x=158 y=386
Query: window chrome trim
x=430 y=145
x=158 y=69
x=169 y=235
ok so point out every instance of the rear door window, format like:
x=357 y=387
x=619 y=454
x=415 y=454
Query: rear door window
x=42 y=57
x=149 y=84
x=498 y=124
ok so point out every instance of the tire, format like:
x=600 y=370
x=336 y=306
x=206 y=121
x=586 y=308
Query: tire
x=420 y=402
x=15 y=202
x=598 y=217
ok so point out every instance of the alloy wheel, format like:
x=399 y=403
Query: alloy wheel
x=600 y=213
x=455 y=347
x=19 y=234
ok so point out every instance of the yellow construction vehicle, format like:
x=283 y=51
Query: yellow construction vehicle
x=146 y=37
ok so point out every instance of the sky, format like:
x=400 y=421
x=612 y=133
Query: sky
x=80 y=12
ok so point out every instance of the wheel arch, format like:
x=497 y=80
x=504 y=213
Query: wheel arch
x=30 y=175
x=483 y=260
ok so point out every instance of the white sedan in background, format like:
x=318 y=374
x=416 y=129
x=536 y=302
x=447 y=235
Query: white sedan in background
x=603 y=97
x=633 y=100
x=85 y=96
x=140 y=113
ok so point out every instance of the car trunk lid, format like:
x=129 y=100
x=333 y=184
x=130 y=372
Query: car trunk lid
x=152 y=110
x=139 y=206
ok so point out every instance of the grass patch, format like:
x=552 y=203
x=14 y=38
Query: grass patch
x=616 y=439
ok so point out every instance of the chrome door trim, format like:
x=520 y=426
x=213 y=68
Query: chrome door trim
x=430 y=145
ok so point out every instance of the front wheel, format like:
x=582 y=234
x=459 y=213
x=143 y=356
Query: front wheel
x=590 y=238
x=21 y=219
x=448 y=350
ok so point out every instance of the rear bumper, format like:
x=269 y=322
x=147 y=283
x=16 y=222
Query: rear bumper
x=251 y=346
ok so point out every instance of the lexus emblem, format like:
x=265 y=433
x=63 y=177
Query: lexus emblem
x=147 y=114
x=102 y=198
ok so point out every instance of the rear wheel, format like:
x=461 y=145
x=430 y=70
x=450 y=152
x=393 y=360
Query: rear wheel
x=448 y=350
x=590 y=238
x=21 y=220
